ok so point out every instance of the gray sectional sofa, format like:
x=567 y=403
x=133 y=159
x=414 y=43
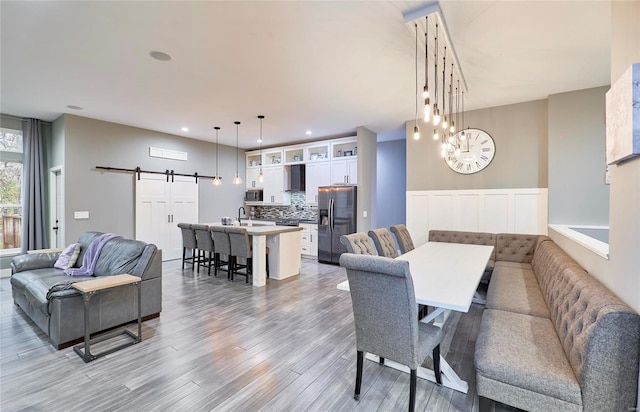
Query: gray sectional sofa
x=45 y=295
x=553 y=338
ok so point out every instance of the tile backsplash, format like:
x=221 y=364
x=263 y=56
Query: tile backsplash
x=297 y=210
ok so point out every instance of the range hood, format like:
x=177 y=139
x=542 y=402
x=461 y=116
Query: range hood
x=296 y=178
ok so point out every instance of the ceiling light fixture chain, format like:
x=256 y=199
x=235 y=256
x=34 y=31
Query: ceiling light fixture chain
x=425 y=94
x=416 y=130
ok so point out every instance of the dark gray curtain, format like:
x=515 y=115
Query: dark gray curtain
x=34 y=197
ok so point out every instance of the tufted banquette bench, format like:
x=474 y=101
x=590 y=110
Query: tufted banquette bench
x=510 y=248
x=553 y=338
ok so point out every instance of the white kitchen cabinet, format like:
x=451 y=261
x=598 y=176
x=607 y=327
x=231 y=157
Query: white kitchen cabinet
x=309 y=239
x=251 y=179
x=344 y=171
x=317 y=174
x=274 y=185
x=160 y=206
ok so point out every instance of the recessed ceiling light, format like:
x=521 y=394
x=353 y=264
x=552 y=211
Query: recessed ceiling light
x=185 y=129
x=308 y=132
x=70 y=106
x=158 y=55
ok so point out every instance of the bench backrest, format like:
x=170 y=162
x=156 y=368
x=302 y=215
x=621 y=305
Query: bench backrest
x=599 y=333
x=467 y=238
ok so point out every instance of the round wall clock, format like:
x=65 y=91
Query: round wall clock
x=476 y=151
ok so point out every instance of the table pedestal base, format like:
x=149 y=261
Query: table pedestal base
x=450 y=378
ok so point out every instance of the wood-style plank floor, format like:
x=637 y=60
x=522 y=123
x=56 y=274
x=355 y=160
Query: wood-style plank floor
x=217 y=345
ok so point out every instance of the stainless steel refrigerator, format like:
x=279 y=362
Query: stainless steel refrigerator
x=337 y=217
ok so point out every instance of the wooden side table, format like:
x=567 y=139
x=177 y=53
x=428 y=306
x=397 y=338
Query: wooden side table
x=88 y=289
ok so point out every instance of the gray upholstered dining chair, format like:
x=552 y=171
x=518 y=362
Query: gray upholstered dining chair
x=386 y=318
x=204 y=241
x=358 y=243
x=222 y=247
x=403 y=237
x=384 y=242
x=188 y=242
x=240 y=248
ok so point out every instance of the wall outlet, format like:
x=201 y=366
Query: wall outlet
x=364 y=213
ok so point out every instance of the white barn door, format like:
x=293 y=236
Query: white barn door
x=160 y=206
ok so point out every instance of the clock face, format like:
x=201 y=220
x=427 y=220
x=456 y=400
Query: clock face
x=476 y=151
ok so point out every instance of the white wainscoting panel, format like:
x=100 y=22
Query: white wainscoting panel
x=489 y=210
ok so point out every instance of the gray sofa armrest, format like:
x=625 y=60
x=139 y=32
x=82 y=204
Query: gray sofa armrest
x=33 y=261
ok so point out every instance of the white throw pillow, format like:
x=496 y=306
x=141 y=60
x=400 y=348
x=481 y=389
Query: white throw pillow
x=68 y=257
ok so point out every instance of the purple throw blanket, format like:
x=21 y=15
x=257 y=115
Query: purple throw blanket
x=91 y=256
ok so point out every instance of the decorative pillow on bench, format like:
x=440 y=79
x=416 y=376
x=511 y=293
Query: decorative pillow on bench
x=68 y=257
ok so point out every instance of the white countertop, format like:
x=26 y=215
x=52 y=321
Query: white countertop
x=262 y=230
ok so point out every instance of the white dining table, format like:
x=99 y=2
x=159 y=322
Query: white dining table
x=445 y=277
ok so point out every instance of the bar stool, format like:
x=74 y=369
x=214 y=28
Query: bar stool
x=240 y=248
x=188 y=242
x=205 y=244
x=221 y=246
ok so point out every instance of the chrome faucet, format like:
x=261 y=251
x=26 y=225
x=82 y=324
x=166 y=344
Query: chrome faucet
x=243 y=211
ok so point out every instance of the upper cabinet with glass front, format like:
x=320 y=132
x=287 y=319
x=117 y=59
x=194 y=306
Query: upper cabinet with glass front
x=293 y=155
x=317 y=152
x=272 y=157
x=254 y=159
x=344 y=148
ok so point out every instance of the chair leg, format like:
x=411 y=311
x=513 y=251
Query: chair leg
x=216 y=263
x=412 y=390
x=193 y=259
x=209 y=264
x=436 y=364
x=381 y=360
x=484 y=404
x=267 y=266
x=184 y=255
x=359 y=362
x=249 y=269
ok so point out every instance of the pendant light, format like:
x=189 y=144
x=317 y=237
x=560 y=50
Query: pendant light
x=237 y=180
x=425 y=92
x=463 y=136
x=260 y=176
x=216 y=180
x=416 y=130
x=436 y=111
x=445 y=125
x=452 y=124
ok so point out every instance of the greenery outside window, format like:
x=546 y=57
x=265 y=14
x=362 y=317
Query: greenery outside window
x=11 y=160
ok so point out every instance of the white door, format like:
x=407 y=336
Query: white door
x=160 y=206
x=153 y=215
x=184 y=209
x=56 y=208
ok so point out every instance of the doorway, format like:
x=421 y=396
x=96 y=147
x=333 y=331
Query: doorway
x=56 y=207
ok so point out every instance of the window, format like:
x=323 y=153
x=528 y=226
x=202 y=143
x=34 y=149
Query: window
x=10 y=189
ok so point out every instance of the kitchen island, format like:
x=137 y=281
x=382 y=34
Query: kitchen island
x=282 y=242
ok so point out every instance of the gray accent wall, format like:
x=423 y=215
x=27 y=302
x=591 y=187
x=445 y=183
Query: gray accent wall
x=520 y=135
x=577 y=161
x=392 y=183
x=109 y=197
x=367 y=186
